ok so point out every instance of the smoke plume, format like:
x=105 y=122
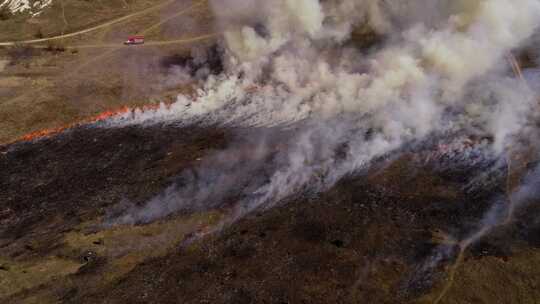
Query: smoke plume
x=294 y=68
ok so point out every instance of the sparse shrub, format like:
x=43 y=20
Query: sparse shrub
x=39 y=34
x=55 y=48
x=5 y=13
x=21 y=52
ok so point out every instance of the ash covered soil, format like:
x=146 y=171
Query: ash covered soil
x=370 y=239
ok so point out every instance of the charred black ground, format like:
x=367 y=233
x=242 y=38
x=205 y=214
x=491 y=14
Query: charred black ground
x=76 y=175
x=367 y=239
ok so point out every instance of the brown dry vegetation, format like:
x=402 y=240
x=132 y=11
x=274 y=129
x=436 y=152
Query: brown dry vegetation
x=57 y=83
x=79 y=14
x=5 y=14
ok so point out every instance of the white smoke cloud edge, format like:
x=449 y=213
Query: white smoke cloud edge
x=288 y=66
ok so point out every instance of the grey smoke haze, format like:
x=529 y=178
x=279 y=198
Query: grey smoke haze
x=441 y=69
x=501 y=213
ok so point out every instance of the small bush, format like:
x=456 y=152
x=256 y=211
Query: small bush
x=21 y=52
x=5 y=13
x=55 y=48
x=39 y=34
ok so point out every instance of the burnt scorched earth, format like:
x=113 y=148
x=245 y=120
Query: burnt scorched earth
x=372 y=238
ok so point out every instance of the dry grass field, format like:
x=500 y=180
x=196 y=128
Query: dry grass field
x=47 y=85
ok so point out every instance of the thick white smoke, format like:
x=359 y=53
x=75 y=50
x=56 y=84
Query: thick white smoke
x=291 y=63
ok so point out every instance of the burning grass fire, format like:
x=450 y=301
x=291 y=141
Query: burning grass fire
x=101 y=117
x=421 y=83
x=305 y=136
x=55 y=131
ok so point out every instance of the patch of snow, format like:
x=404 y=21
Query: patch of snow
x=34 y=7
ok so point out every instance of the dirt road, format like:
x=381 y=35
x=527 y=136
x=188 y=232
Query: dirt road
x=97 y=27
x=152 y=43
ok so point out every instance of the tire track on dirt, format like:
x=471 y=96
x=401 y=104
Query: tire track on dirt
x=91 y=29
x=153 y=43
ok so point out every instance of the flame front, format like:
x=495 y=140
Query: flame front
x=92 y=119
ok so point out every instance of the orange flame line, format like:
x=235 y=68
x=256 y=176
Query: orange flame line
x=92 y=119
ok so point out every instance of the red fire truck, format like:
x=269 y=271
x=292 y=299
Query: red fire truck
x=133 y=40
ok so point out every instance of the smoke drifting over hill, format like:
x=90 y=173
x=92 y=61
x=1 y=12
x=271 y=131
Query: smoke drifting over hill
x=441 y=68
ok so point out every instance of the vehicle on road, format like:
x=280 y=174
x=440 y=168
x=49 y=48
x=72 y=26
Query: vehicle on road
x=134 y=40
